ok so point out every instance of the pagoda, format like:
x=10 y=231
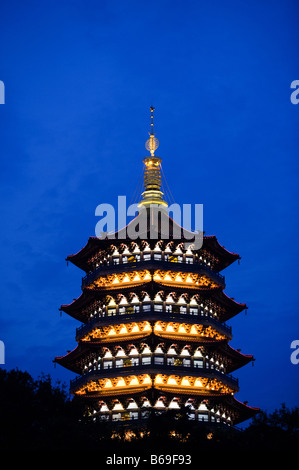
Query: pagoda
x=153 y=313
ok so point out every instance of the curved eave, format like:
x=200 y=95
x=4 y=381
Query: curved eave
x=69 y=360
x=80 y=258
x=243 y=410
x=238 y=359
x=74 y=309
x=226 y=258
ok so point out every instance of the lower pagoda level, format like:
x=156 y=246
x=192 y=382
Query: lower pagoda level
x=153 y=313
x=153 y=331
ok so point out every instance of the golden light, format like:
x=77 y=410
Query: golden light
x=198 y=383
x=171 y=381
x=147 y=380
x=185 y=382
x=158 y=379
x=121 y=383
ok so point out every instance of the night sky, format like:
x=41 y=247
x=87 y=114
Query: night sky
x=80 y=78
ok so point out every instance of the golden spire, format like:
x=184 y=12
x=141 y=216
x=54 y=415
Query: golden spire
x=152 y=172
x=152 y=143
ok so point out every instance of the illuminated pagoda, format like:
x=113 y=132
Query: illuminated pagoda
x=153 y=314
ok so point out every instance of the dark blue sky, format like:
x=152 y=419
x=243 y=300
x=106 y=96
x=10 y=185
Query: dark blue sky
x=79 y=79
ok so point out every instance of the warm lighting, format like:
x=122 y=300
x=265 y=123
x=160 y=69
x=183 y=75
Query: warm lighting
x=185 y=382
x=169 y=329
x=198 y=383
x=121 y=383
x=158 y=379
x=147 y=380
x=118 y=407
x=171 y=381
x=134 y=381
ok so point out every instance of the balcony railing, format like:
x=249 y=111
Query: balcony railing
x=153 y=368
x=152 y=262
x=152 y=311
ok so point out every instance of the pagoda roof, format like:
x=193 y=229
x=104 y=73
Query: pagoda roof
x=210 y=243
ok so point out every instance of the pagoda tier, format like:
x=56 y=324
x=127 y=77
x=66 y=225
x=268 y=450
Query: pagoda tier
x=135 y=408
x=99 y=252
x=204 y=353
x=153 y=310
x=99 y=303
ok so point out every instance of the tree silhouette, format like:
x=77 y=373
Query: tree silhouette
x=40 y=415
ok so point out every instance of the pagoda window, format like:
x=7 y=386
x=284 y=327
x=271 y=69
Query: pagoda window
x=116 y=260
x=180 y=259
x=170 y=361
x=158 y=307
x=168 y=308
x=157 y=256
x=146 y=360
x=146 y=307
x=107 y=364
x=135 y=361
x=198 y=363
x=186 y=362
x=189 y=259
x=193 y=311
x=159 y=360
x=122 y=310
x=146 y=257
x=119 y=363
x=124 y=259
x=116 y=416
x=136 y=308
x=111 y=311
x=133 y=415
x=203 y=417
x=183 y=309
x=137 y=257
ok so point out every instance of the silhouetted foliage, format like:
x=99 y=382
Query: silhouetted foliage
x=40 y=415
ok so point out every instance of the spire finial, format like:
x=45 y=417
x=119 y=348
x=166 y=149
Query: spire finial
x=152 y=143
x=152 y=120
